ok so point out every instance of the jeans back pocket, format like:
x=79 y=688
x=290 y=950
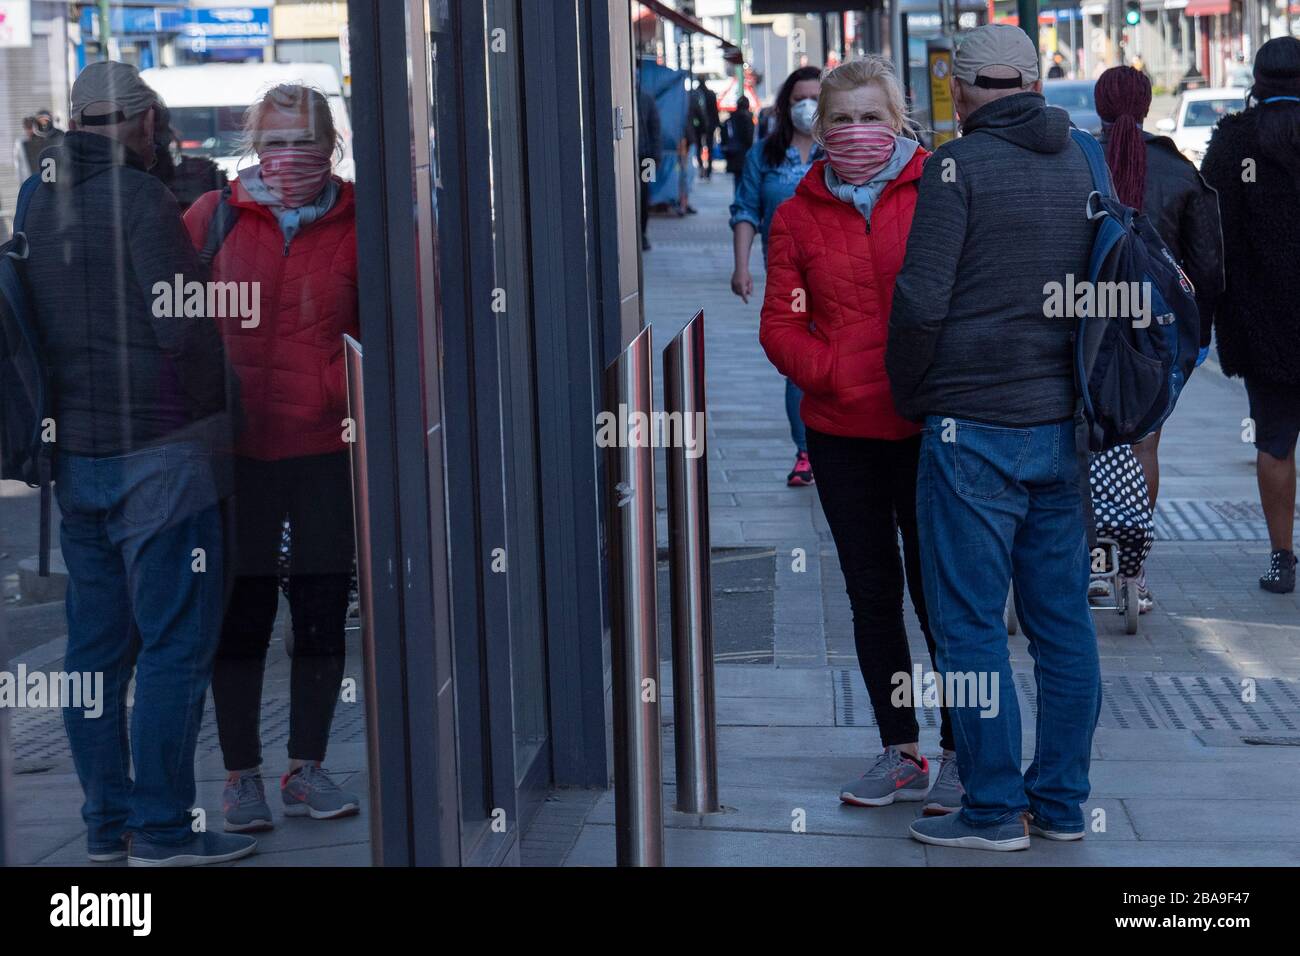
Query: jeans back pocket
x=987 y=458
x=143 y=487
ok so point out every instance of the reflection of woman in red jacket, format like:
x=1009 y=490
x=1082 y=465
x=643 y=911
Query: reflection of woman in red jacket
x=296 y=237
x=834 y=251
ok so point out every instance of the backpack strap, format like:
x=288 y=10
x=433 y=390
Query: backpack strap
x=223 y=220
x=1096 y=157
x=45 y=469
x=16 y=247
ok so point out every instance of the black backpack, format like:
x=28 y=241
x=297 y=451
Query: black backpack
x=25 y=397
x=1130 y=373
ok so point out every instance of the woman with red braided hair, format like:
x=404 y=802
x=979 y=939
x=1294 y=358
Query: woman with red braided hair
x=1153 y=177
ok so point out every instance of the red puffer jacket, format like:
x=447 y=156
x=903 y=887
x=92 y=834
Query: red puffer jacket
x=823 y=256
x=292 y=378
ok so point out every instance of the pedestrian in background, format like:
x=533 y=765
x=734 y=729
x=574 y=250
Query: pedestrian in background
x=187 y=177
x=737 y=139
x=141 y=401
x=973 y=351
x=825 y=323
x=295 y=235
x=39 y=133
x=649 y=148
x=1253 y=160
x=1153 y=177
x=22 y=150
x=704 y=123
x=773 y=169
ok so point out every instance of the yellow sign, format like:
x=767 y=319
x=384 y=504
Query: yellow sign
x=309 y=21
x=942 y=116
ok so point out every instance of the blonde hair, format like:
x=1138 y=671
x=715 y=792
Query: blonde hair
x=863 y=72
x=292 y=97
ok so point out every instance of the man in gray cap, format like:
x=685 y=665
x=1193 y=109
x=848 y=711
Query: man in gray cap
x=140 y=395
x=974 y=353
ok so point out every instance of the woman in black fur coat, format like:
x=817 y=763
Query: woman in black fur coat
x=1254 y=162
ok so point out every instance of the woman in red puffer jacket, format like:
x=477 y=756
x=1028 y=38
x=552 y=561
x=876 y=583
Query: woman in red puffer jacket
x=835 y=249
x=295 y=237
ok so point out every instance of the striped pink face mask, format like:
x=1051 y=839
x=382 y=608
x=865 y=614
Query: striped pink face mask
x=857 y=151
x=296 y=174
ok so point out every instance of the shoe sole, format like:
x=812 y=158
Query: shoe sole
x=898 y=796
x=974 y=842
x=107 y=857
x=1275 y=588
x=798 y=483
x=189 y=859
x=253 y=826
x=1058 y=835
x=302 y=810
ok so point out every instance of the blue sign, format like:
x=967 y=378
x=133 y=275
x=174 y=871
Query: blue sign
x=203 y=29
x=225 y=27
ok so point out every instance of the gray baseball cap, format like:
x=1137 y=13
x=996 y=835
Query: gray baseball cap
x=1003 y=53
x=110 y=92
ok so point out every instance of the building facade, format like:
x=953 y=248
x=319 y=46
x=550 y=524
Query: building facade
x=486 y=323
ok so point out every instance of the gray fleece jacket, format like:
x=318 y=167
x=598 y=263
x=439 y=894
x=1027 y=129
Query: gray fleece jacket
x=1000 y=213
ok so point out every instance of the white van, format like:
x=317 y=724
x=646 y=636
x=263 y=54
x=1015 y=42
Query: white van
x=207 y=105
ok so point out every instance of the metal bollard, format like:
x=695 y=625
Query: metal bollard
x=638 y=774
x=361 y=524
x=694 y=721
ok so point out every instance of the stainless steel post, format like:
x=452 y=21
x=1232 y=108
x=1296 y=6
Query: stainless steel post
x=365 y=592
x=6 y=764
x=694 y=723
x=638 y=774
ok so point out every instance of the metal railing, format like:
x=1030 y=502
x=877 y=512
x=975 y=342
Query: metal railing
x=638 y=774
x=694 y=722
x=365 y=593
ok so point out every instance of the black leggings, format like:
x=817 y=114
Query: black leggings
x=867 y=488
x=315 y=494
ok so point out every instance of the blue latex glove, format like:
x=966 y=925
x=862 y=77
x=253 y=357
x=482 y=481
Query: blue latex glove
x=1202 y=355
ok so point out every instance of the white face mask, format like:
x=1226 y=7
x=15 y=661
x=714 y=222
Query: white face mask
x=802 y=115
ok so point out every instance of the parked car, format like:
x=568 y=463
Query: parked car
x=1076 y=98
x=207 y=104
x=1195 y=116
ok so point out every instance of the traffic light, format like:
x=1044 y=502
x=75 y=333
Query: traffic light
x=1132 y=13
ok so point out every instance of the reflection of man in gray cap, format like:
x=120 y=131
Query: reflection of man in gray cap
x=110 y=98
x=139 y=393
x=974 y=352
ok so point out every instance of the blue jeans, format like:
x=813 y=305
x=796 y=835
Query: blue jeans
x=138 y=599
x=993 y=503
x=797 y=432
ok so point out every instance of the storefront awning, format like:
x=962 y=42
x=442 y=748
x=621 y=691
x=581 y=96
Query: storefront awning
x=1207 y=8
x=730 y=52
